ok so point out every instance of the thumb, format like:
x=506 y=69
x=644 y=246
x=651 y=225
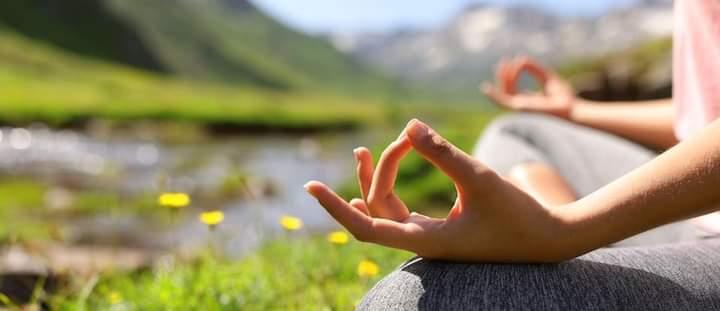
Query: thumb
x=455 y=163
x=494 y=94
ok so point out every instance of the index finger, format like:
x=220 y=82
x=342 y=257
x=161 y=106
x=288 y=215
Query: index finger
x=387 y=167
x=521 y=64
x=501 y=77
x=455 y=163
x=363 y=227
x=364 y=170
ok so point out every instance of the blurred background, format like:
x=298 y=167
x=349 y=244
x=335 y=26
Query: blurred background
x=152 y=153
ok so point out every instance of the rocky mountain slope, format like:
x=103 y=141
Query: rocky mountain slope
x=462 y=52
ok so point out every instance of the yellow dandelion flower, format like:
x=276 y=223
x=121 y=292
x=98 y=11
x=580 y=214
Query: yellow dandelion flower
x=367 y=269
x=174 y=200
x=338 y=237
x=114 y=298
x=212 y=218
x=291 y=223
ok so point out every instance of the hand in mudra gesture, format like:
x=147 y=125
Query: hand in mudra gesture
x=491 y=220
x=556 y=97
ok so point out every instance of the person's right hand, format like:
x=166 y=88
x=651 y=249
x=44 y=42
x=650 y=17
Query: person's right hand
x=557 y=96
x=491 y=220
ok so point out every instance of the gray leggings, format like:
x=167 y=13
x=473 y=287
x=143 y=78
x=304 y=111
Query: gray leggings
x=672 y=267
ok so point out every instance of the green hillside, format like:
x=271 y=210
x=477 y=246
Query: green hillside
x=214 y=40
x=39 y=82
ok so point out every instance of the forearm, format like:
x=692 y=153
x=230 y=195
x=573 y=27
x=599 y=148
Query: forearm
x=681 y=183
x=649 y=123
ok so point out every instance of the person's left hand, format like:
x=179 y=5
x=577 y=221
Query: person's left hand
x=491 y=220
x=557 y=97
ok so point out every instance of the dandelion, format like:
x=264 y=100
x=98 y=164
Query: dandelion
x=174 y=200
x=291 y=223
x=367 y=269
x=114 y=298
x=338 y=237
x=212 y=218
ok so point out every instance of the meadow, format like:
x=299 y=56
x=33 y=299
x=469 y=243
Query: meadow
x=40 y=83
x=286 y=274
x=299 y=271
x=207 y=70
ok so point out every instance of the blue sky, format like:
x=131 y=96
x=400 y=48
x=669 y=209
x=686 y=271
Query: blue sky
x=378 y=15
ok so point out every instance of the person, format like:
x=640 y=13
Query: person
x=549 y=188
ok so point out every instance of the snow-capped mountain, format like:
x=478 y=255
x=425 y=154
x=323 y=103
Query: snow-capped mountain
x=464 y=50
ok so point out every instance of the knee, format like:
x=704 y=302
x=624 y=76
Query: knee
x=523 y=127
x=517 y=124
x=429 y=285
x=504 y=133
x=400 y=290
x=432 y=285
x=579 y=284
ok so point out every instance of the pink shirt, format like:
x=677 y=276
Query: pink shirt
x=696 y=64
x=696 y=75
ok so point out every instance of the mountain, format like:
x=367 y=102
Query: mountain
x=214 y=40
x=456 y=56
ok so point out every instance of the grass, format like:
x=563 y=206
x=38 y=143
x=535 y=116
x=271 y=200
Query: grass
x=212 y=40
x=31 y=210
x=39 y=83
x=288 y=274
x=292 y=273
x=243 y=44
x=20 y=206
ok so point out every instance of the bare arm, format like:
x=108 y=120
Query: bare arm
x=681 y=183
x=649 y=122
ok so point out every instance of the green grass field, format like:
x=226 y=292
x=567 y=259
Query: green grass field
x=288 y=274
x=30 y=210
x=294 y=272
x=225 y=41
x=39 y=83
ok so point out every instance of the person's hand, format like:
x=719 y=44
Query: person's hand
x=557 y=96
x=491 y=220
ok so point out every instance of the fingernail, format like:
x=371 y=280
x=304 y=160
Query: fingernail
x=417 y=128
x=356 y=153
x=307 y=186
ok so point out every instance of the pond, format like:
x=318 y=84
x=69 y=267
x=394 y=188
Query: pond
x=278 y=166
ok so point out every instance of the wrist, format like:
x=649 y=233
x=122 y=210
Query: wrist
x=578 y=109
x=575 y=230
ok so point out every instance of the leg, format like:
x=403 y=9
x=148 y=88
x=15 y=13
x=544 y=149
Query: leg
x=526 y=167
x=585 y=158
x=542 y=182
x=671 y=277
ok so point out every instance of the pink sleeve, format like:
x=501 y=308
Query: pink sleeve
x=696 y=64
